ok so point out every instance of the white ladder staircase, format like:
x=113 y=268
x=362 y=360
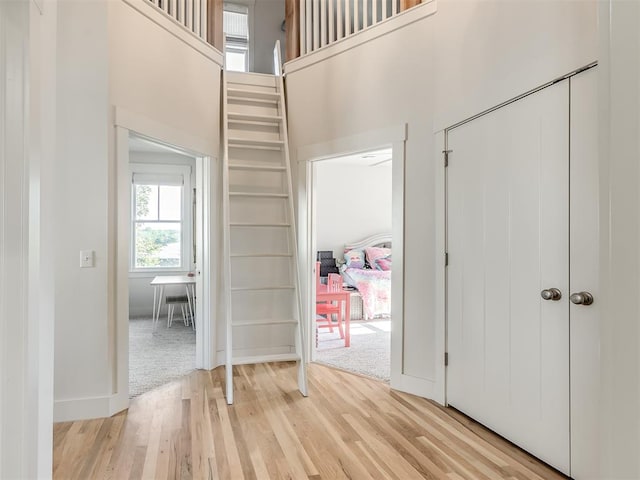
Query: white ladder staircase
x=261 y=281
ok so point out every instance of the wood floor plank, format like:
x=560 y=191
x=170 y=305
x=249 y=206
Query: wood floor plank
x=349 y=427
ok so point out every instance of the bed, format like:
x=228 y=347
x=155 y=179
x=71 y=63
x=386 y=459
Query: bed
x=367 y=267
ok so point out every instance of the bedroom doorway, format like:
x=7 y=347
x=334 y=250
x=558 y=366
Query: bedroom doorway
x=351 y=236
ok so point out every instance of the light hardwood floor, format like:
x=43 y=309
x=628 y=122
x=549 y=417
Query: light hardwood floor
x=348 y=427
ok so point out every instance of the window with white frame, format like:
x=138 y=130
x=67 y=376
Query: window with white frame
x=161 y=217
x=236 y=33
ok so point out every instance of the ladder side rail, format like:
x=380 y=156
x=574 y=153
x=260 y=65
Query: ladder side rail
x=300 y=333
x=226 y=244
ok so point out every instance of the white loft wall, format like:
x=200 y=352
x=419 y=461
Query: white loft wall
x=268 y=18
x=140 y=291
x=441 y=69
x=154 y=74
x=113 y=58
x=492 y=50
x=81 y=202
x=352 y=203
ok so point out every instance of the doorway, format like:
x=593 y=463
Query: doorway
x=522 y=275
x=352 y=216
x=162 y=307
x=176 y=184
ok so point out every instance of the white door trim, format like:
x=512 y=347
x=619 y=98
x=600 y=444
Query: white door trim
x=206 y=179
x=394 y=136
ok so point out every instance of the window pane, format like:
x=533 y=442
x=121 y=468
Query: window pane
x=146 y=202
x=170 y=203
x=157 y=245
x=236 y=61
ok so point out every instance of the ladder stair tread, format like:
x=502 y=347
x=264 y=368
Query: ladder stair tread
x=263 y=168
x=264 y=321
x=253 y=94
x=254 y=141
x=239 y=98
x=258 y=194
x=253 y=117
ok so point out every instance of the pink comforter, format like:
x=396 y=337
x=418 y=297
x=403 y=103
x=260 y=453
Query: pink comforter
x=375 y=288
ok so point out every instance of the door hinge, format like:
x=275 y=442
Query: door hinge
x=446 y=157
x=446 y=259
x=446 y=359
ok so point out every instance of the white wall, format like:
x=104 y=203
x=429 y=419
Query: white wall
x=82 y=369
x=431 y=73
x=140 y=290
x=352 y=203
x=27 y=144
x=123 y=58
x=619 y=123
x=268 y=18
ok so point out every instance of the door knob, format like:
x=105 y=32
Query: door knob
x=551 y=294
x=581 y=298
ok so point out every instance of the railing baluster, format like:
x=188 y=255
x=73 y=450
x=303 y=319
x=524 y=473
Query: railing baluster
x=203 y=19
x=394 y=7
x=316 y=24
x=365 y=13
x=180 y=16
x=339 y=21
x=347 y=17
x=323 y=23
x=189 y=15
x=332 y=19
x=385 y=9
x=356 y=16
x=303 y=27
x=309 y=28
x=374 y=12
x=196 y=17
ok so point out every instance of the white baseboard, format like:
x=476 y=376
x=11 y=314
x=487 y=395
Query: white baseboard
x=88 y=408
x=81 y=409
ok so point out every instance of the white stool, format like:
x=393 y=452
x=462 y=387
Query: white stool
x=171 y=301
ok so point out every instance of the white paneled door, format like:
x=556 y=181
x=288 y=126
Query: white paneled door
x=508 y=240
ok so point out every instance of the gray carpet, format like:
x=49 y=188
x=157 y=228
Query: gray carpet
x=159 y=357
x=369 y=353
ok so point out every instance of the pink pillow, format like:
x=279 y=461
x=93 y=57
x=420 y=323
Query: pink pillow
x=383 y=264
x=374 y=253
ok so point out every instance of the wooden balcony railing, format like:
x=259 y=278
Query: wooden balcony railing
x=314 y=24
x=202 y=17
x=310 y=24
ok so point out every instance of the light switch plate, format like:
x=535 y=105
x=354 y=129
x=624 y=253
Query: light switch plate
x=86 y=259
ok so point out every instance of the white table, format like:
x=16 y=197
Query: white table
x=160 y=282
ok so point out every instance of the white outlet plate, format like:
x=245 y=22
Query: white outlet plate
x=86 y=258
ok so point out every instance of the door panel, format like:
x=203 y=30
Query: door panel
x=508 y=194
x=585 y=335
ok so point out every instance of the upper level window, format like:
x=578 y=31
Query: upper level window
x=236 y=32
x=160 y=218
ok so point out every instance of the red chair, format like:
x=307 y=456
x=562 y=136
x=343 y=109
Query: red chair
x=326 y=309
